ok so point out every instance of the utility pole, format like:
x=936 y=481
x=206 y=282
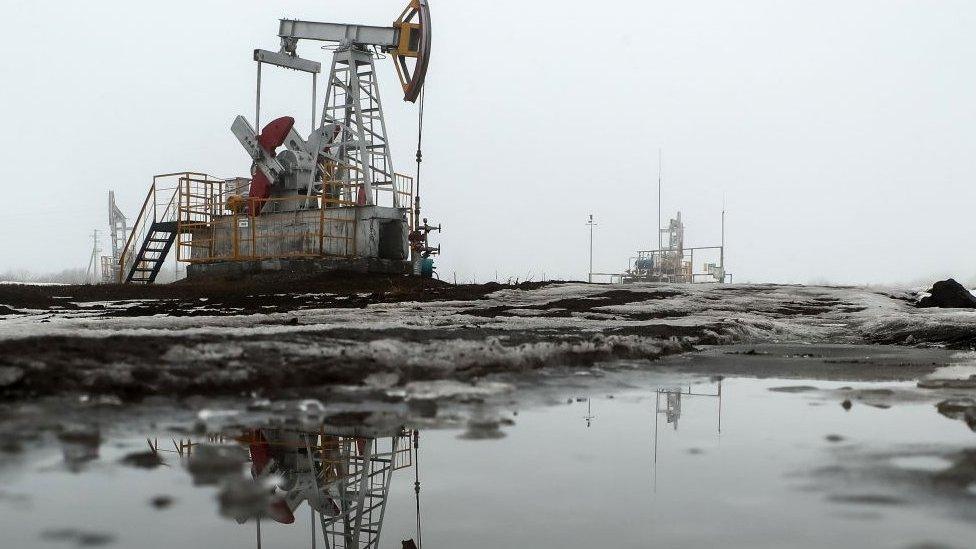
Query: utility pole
x=591 y=224
x=92 y=272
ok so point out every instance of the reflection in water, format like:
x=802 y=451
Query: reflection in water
x=671 y=410
x=784 y=470
x=343 y=474
x=589 y=417
x=79 y=445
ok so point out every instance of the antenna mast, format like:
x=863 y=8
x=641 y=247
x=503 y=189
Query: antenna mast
x=721 y=259
x=589 y=277
x=659 y=199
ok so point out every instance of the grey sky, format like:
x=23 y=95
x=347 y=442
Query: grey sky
x=840 y=132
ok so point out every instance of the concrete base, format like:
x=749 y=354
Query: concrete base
x=355 y=231
x=237 y=269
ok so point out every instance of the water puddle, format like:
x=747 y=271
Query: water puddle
x=736 y=462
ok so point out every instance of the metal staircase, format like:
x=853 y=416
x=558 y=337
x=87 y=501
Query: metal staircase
x=154 y=231
x=152 y=255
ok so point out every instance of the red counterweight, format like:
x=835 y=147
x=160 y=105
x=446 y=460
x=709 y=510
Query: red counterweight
x=270 y=138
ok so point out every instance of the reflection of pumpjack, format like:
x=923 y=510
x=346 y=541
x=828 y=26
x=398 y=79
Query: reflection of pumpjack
x=344 y=477
x=672 y=407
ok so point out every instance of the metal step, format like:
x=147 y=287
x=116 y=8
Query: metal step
x=152 y=253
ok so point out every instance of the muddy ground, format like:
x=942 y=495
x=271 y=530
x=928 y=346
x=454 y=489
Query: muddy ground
x=271 y=337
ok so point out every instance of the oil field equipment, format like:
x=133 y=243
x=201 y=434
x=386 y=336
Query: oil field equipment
x=331 y=196
x=673 y=262
x=118 y=231
x=342 y=473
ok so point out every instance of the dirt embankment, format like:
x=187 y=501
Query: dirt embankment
x=275 y=334
x=254 y=294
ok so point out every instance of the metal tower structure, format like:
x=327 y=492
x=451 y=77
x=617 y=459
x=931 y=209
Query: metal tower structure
x=117 y=226
x=672 y=257
x=347 y=157
x=343 y=475
x=361 y=491
x=118 y=232
x=352 y=100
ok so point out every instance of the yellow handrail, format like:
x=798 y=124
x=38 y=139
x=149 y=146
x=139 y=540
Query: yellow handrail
x=199 y=205
x=132 y=234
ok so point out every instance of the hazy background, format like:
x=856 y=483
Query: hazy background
x=840 y=132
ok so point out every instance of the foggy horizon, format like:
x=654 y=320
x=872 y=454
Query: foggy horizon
x=837 y=134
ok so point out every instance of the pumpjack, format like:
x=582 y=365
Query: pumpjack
x=332 y=193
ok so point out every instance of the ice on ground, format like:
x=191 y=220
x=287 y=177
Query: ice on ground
x=504 y=331
x=443 y=389
x=746 y=312
x=776 y=311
